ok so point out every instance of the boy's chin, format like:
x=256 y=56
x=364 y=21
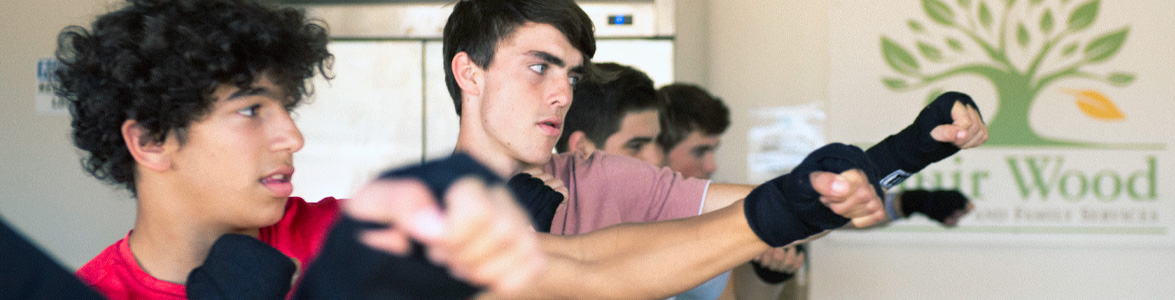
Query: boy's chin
x=536 y=159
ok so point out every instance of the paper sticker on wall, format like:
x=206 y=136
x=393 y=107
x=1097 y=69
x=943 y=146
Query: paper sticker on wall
x=781 y=137
x=47 y=101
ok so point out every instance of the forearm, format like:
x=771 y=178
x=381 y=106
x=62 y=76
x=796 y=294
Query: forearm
x=605 y=264
x=901 y=155
x=721 y=195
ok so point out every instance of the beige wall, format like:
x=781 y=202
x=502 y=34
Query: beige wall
x=43 y=190
x=751 y=53
x=775 y=53
x=691 y=60
x=762 y=54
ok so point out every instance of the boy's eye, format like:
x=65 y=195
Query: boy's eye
x=250 y=111
x=635 y=146
x=538 y=68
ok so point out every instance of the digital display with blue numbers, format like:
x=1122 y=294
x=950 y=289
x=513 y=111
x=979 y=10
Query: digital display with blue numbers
x=620 y=20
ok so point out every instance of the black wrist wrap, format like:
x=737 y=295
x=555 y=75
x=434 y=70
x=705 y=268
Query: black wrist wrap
x=901 y=155
x=539 y=200
x=241 y=267
x=937 y=205
x=768 y=275
x=30 y=273
x=347 y=269
x=438 y=175
x=787 y=208
x=771 y=276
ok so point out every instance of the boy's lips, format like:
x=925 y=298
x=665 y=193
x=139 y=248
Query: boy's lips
x=278 y=182
x=551 y=126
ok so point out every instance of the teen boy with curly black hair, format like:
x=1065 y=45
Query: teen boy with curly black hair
x=187 y=105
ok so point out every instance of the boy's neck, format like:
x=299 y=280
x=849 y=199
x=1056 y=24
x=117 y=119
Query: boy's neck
x=502 y=164
x=169 y=245
x=473 y=140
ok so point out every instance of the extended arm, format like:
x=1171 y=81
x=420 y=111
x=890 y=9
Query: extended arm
x=605 y=264
x=481 y=239
x=948 y=124
x=791 y=209
x=721 y=195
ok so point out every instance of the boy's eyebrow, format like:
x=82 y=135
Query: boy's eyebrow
x=549 y=58
x=639 y=139
x=555 y=60
x=252 y=91
x=703 y=148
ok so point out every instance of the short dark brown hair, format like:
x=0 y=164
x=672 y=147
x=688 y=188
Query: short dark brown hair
x=477 y=26
x=601 y=103
x=690 y=108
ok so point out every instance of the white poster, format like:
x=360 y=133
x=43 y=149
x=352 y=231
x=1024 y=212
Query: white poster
x=47 y=102
x=1075 y=94
x=781 y=137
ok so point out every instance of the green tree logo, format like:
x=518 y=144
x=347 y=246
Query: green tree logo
x=974 y=26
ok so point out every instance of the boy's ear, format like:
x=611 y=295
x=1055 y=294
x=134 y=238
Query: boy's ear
x=579 y=141
x=468 y=74
x=151 y=155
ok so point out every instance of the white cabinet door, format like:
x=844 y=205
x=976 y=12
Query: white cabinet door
x=440 y=122
x=366 y=119
x=654 y=57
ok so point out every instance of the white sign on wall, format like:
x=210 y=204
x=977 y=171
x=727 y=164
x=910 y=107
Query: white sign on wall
x=781 y=137
x=47 y=102
x=1072 y=91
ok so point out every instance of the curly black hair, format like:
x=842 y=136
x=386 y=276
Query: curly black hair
x=158 y=62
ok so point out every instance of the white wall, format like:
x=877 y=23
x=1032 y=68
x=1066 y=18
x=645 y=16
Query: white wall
x=43 y=191
x=775 y=53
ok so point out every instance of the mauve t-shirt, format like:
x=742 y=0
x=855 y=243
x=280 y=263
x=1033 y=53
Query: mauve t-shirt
x=607 y=189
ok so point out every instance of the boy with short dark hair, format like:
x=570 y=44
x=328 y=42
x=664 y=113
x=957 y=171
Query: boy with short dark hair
x=694 y=122
x=511 y=67
x=620 y=115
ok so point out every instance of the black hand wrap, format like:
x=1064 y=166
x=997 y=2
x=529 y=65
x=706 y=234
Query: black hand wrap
x=772 y=276
x=539 y=200
x=241 y=267
x=901 y=155
x=937 y=205
x=787 y=208
x=27 y=272
x=347 y=269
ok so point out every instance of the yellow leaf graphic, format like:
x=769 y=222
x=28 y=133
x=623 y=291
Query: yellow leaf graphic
x=1096 y=105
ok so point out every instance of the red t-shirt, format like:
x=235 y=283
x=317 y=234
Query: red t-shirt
x=114 y=273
